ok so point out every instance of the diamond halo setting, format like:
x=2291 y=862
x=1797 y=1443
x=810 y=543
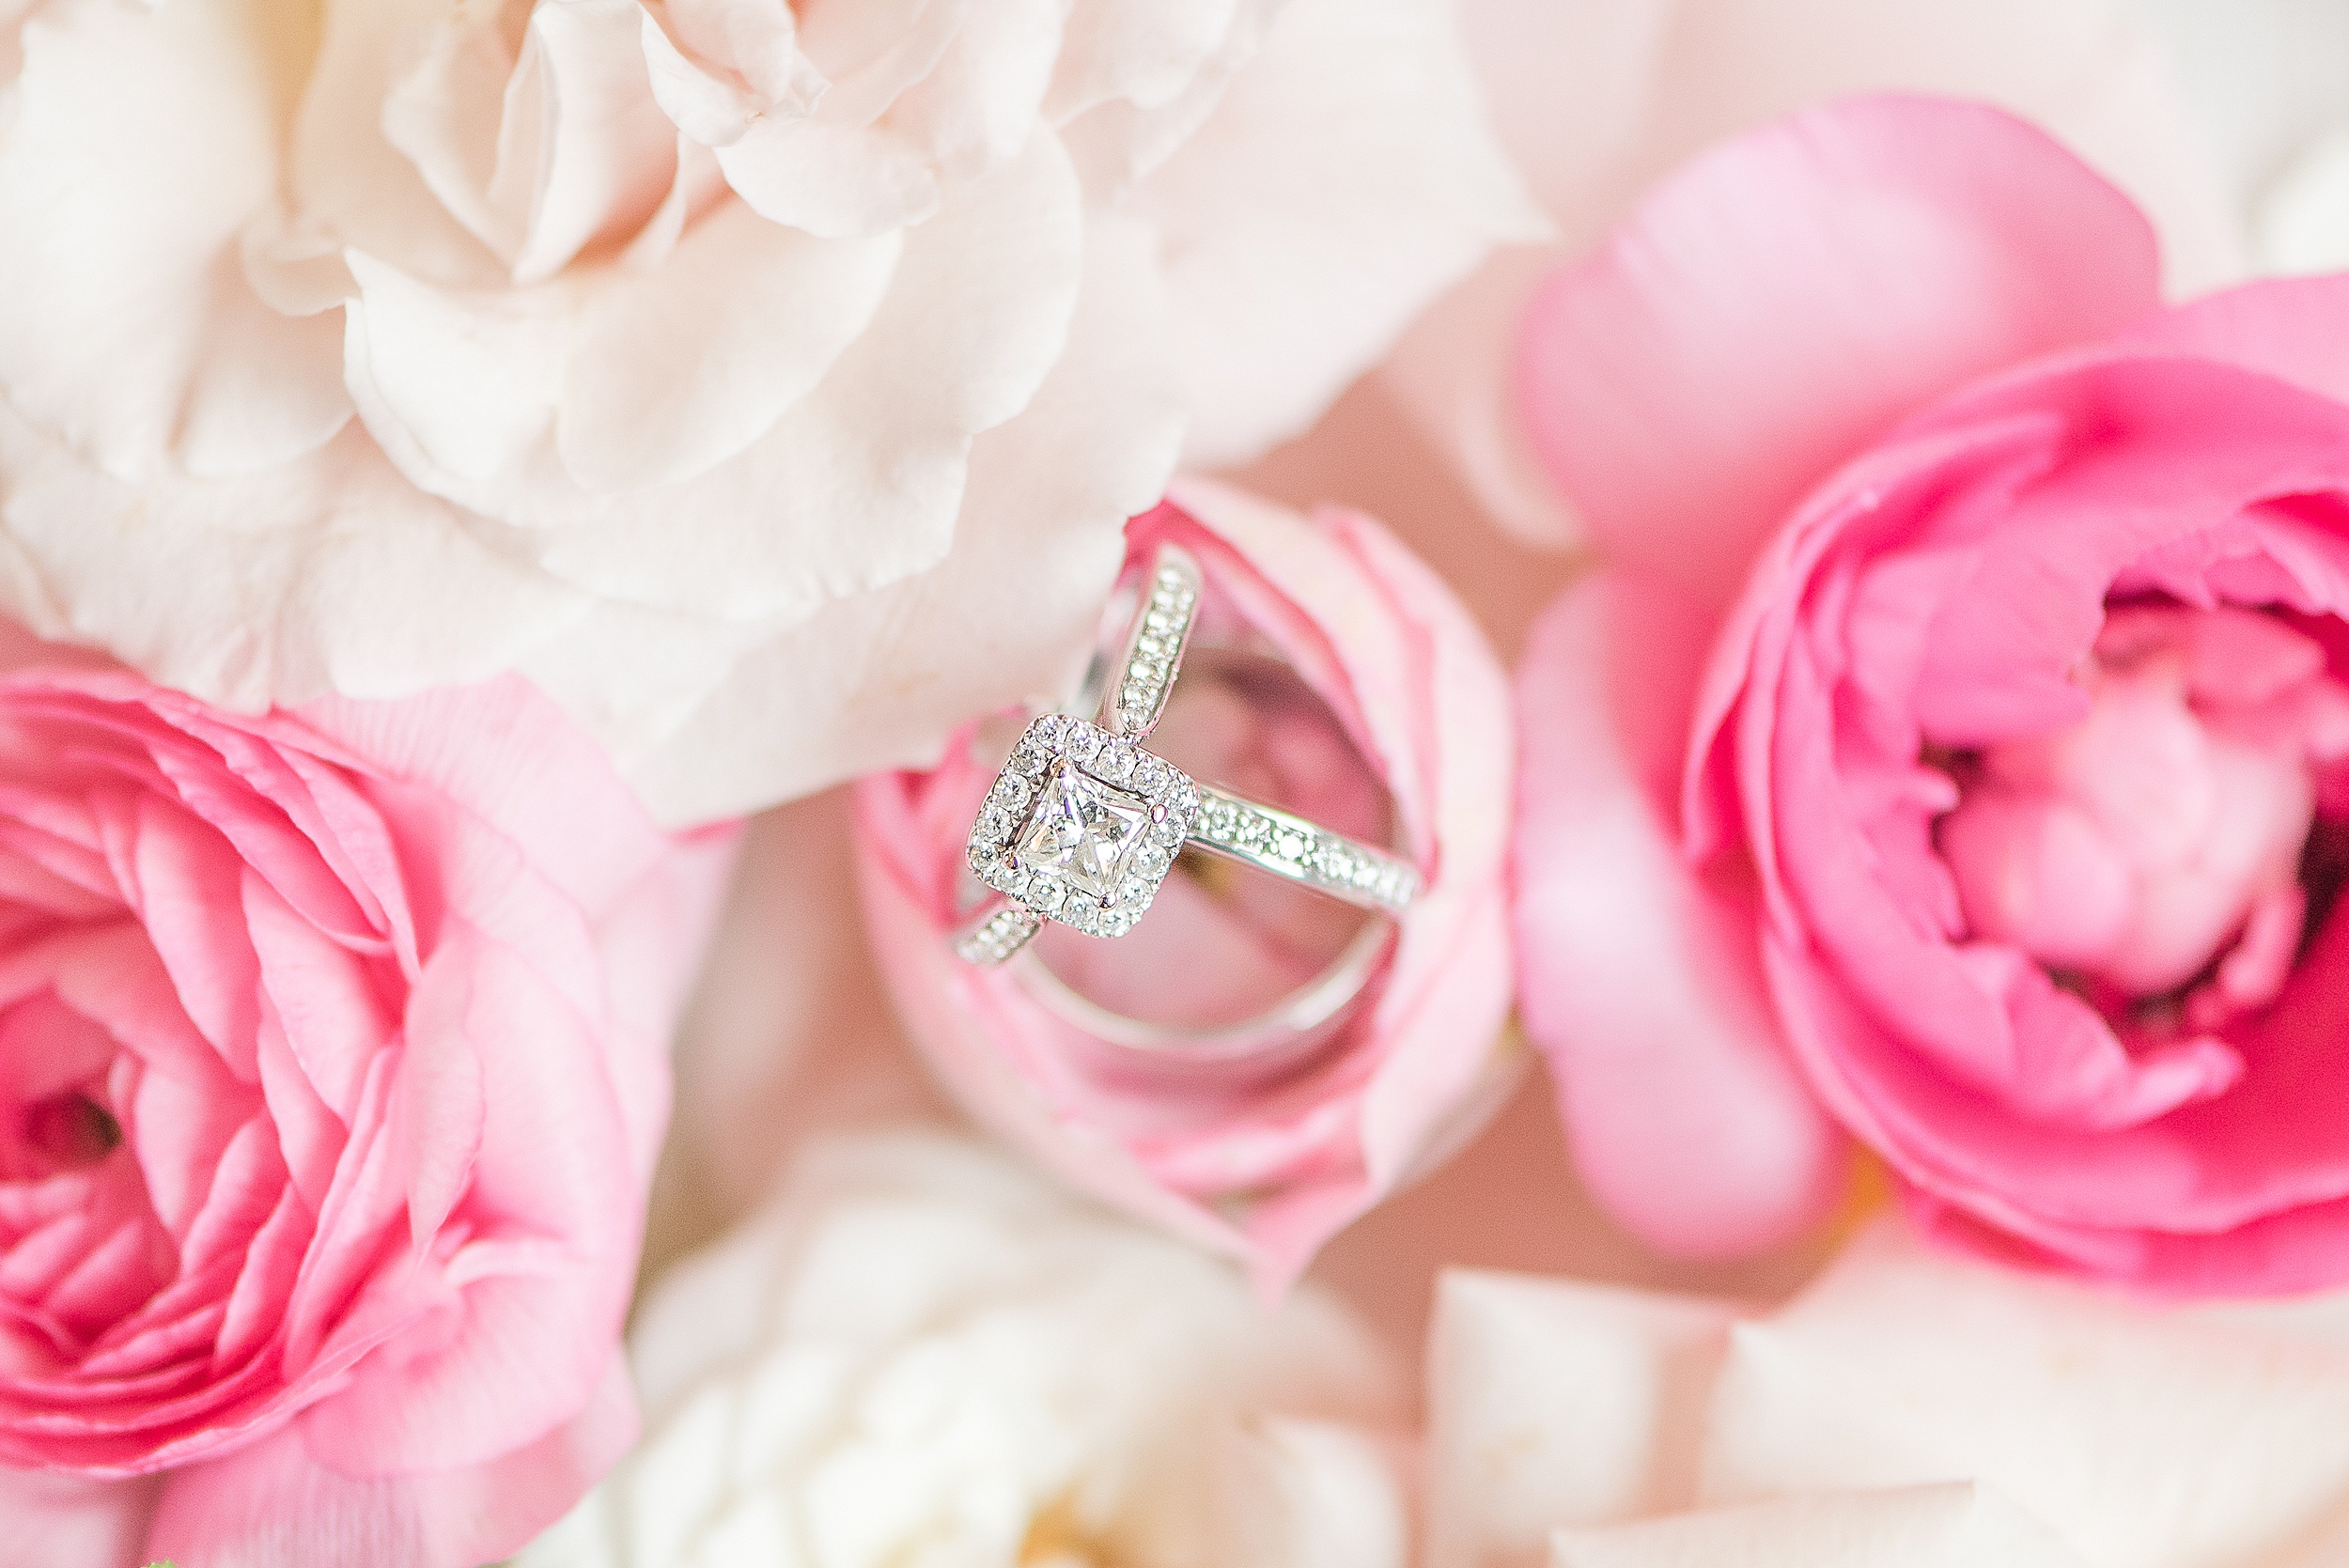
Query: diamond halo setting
x=1081 y=826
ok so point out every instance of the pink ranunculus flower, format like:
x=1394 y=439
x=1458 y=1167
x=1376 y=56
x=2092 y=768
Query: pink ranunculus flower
x=721 y=365
x=1261 y=1157
x=1953 y=758
x=332 y=1070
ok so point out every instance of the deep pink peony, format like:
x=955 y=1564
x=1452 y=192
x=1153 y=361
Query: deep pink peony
x=1265 y=1153
x=1953 y=756
x=332 y=1069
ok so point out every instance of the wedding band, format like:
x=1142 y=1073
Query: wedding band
x=1083 y=823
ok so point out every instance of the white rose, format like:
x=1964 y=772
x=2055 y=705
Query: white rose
x=921 y=1354
x=767 y=383
x=1907 y=1408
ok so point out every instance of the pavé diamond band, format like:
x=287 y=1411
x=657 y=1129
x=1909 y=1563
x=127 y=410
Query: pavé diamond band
x=1084 y=824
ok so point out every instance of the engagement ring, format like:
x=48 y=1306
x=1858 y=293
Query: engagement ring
x=1083 y=823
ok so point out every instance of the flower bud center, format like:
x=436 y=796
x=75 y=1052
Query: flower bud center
x=69 y=1132
x=2152 y=848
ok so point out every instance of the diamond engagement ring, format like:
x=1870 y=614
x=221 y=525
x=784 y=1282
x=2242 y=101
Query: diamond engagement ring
x=1083 y=823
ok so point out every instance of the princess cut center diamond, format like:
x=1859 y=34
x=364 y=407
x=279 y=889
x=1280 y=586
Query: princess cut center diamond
x=1082 y=832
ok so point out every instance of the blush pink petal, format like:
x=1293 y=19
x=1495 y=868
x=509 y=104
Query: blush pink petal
x=1639 y=976
x=281 y=1505
x=62 y=1522
x=2294 y=329
x=1794 y=293
x=1648 y=84
x=543 y=794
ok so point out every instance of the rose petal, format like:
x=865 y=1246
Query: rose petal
x=272 y=1505
x=874 y=680
x=1351 y=159
x=1554 y=1403
x=56 y=1520
x=1655 y=83
x=1641 y=980
x=1954 y=1524
x=1297 y=1494
x=128 y=329
x=2117 y=1427
x=1789 y=295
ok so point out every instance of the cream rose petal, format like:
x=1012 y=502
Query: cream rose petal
x=1135 y=78
x=847 y=167
x=462 y=389
x=126 y=325
x=1347 y=177
x=920 y=1352
x=1956 y=1525
x=708 y=479
x=514 y=401
x=1141 y=53
x=1555 y=1402
x=451 y=385
x=1297 y=1494
x=342 y=585
x=2142 y=1438
x=346 y=177
x=978 y=105
x=677 y=370
x=718 y=66
x=878 y=679
x=542 y=154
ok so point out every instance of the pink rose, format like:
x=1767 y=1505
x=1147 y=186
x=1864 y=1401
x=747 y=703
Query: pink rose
x=331 y=1075
x=1259 y=1156
x=1996 y=819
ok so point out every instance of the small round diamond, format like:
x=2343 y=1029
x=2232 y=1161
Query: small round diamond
x=1084 y=744
x=1116 y=761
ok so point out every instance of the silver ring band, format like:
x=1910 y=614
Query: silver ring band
x=1083 y=823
